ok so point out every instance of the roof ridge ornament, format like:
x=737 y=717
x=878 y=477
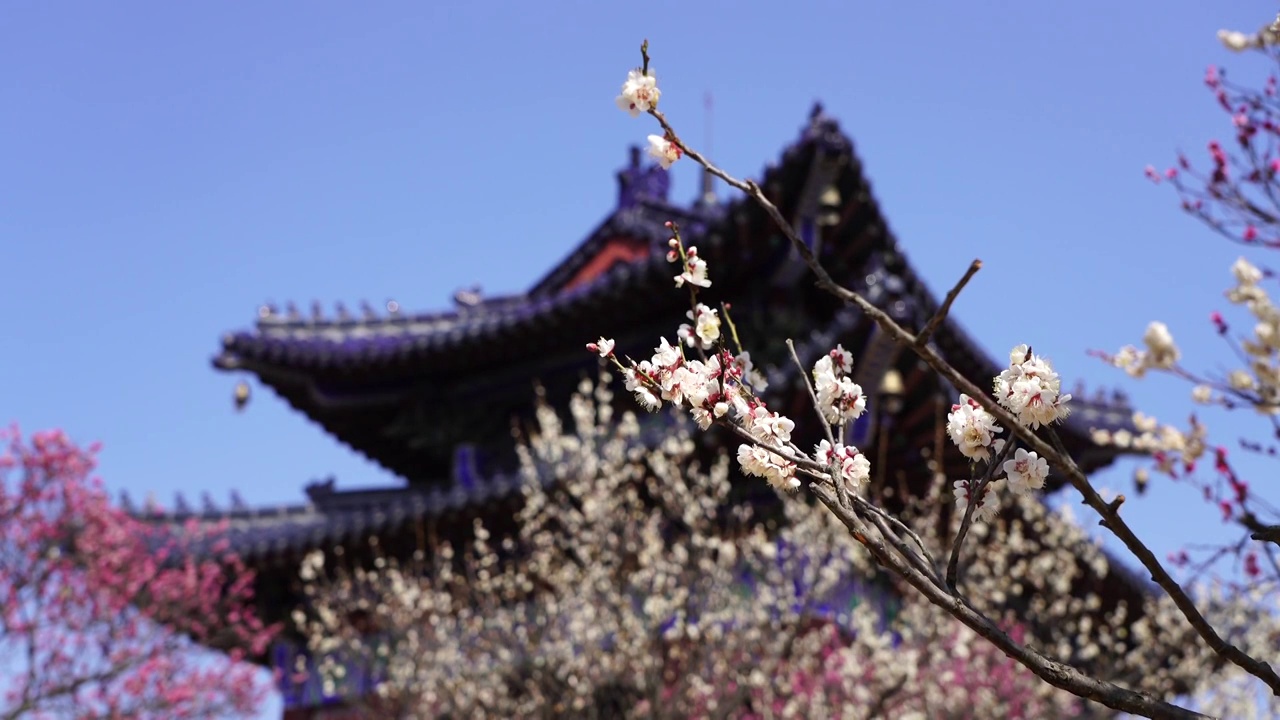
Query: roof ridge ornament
x=468 y=297
x=318 y=490
x=637 y=182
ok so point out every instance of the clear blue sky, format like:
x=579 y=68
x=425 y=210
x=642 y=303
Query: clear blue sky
x=166 y=168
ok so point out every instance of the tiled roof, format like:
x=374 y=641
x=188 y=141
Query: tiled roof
x=367 y=379
x=289 y=340
x=345 y=339
x=334 y=516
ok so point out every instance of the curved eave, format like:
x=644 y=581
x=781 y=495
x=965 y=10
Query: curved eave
x=357 y=345
x=260 y=534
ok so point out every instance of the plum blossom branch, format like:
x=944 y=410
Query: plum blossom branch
x=1110 y=516
x=953 y=563
x=1022 y=419
x=1052 y=672
x=936 y=320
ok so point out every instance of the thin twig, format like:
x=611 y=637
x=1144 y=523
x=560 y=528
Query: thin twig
x=977 y=490
x=1112 y=519
x=941 y=314
x=1117 y=525
x=841 y=492
x=808 y=385
x=1051 y=671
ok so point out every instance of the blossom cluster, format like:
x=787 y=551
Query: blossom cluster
x=104 y=608
x=854 y=467
x=753 y=615
x=640 y=94
x=705 y=330
x=722 y=386
x=1238 y=41
x=1160 y=352
x=840 y=399
x=462 y=632
x=1234 y=195
x=1031 y=390
x=1258 y=384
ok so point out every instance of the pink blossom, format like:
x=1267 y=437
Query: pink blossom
x=106 y=606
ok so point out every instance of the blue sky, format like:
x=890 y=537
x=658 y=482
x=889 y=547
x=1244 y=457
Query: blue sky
x=166 y=168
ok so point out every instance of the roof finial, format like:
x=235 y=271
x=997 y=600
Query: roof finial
x=468 y=297
x=707 y=196
x=241 y=395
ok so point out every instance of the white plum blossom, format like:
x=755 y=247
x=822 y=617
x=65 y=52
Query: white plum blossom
x=666 y=355
x=973 y=429
x=778 y=471
x=1031 y=389
x=603 y=346
x=1162 y=353
x=664 y=151
x=695 y=270
x=749 y=373
x=705 y=330
x=1202 y=394
x=1235 y=40
x=1026 y=471
x=640 y=93
x=770 y=426
x=638 y=380
x=987 y=506
x=1241 y=380
x=1131 y=360
x=840 y=399
x=1247 y=274
x=855 y=468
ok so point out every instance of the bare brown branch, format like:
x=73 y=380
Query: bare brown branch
x=1052 y=672
x=941 y=314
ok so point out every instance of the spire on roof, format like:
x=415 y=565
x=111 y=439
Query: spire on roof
x=707 y=192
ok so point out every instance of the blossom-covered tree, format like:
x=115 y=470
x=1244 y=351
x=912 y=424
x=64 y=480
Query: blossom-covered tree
x=634 y=587
x=101 y=613
x=1007 y=432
